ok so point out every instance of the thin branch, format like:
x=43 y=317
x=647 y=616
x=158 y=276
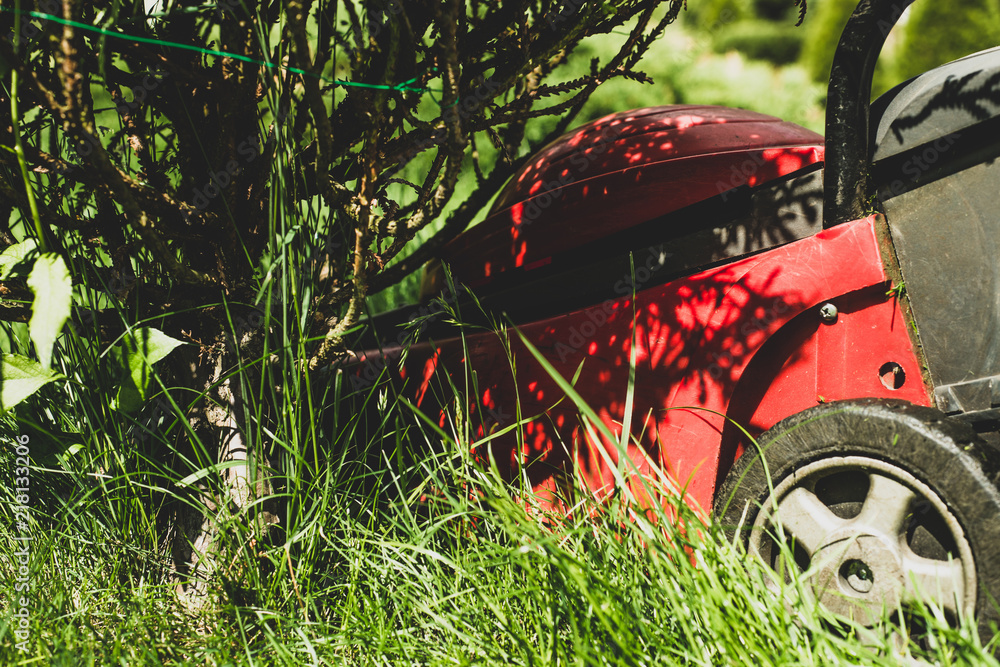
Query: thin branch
x=297 y=12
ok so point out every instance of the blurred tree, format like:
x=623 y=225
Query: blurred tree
x=826 y=22
x=183 y=159
x=776 y=10
x=708 y=13
x=773 y=41
x=939 y=32
x=758 y=29
x=823 y=29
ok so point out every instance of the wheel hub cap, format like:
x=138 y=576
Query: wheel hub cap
x=865 y=564
x=857 y=574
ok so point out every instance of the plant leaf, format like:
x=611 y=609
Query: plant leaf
x=128 y=399
x=13 y=256
x=49 y=280
x=21 y=377
x=141 y=350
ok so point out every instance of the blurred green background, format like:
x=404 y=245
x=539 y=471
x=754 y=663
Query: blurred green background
x=750 y=54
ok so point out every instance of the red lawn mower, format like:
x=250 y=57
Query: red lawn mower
x=839 y=300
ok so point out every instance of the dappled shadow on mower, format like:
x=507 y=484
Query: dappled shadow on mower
x=695 y=337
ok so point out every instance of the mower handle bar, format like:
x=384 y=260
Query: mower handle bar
x=847 y=111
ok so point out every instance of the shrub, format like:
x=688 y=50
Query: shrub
x=938 y=32
x=761 y=40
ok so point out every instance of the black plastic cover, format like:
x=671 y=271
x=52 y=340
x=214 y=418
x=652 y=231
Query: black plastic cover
x=937 y=176
x=935 y=104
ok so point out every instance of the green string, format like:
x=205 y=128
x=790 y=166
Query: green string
x=404 y=86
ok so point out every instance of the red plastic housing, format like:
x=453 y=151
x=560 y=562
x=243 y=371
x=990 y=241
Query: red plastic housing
x=742 y=342
x=622 y=170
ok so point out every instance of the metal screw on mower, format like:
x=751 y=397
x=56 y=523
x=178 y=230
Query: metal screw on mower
x=828 y=313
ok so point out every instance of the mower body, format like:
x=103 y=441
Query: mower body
x=690 y=243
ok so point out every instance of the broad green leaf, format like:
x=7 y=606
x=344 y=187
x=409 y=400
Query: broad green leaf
x=13 y=256
x=128 y=399
x=49 y=280
x=141 y=350
x=20 y=377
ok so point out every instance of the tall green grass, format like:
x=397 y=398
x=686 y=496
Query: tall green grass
x=402 y=547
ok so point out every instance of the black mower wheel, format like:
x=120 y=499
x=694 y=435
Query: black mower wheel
x=887 y=501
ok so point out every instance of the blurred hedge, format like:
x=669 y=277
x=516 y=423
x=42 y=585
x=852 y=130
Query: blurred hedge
x=825 y=22
x=939 y=32
x=779 y=43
